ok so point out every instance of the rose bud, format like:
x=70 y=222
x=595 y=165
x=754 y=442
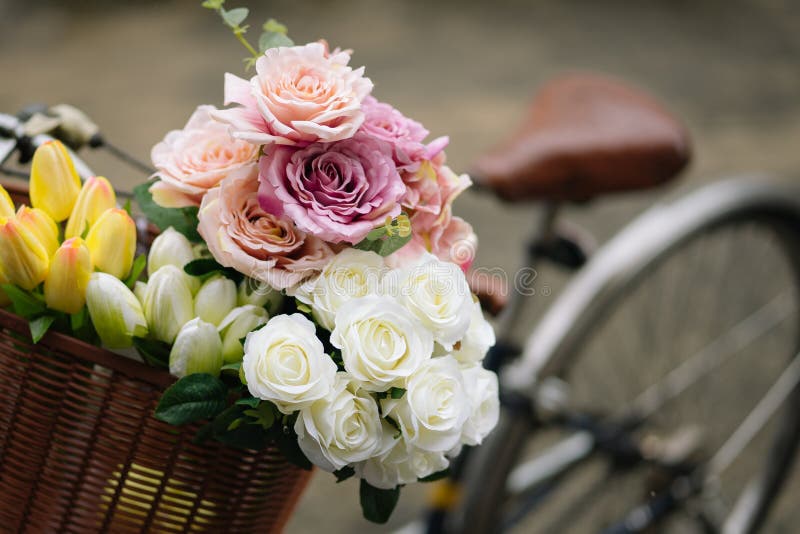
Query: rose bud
x=24 y=259
x=197 y=349
x=70 y=269
x=235 y=326
x=112 y=242
x=168 y=303
x=215 y=299
x=6 y=204
x=95 y=198
x=261 y=294
x=55 y=183
x=115 y=312
x=41 y=225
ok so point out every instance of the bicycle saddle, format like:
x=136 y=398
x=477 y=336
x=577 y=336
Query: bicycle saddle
x=586 y=135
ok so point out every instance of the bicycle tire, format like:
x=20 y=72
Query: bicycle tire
x=653 y=239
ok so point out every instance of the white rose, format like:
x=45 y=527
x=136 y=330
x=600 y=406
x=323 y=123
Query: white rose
x=381 y=341
x=437 y=293
x=435 y=406
x=284 y=362
x=478 y=339
x=484 y=403
x=402 y=464
x=342 y=428
x=351 y=274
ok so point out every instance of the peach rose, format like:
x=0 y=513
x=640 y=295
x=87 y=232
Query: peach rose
x=191 y=161
x=241 y=235
x=299 y=95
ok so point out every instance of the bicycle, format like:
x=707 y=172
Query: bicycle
x=549 y=384
x=616 y=401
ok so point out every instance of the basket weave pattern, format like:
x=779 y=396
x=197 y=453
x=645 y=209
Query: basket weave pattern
x=81 y=452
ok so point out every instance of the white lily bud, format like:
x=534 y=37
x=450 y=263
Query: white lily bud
x=197 y=349
x=259 y=294
x=115 y=311
x=171 y=248
x=215 y=299
x=236 y=325
x=168 y=303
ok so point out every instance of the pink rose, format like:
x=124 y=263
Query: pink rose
x=404 y=135
x=241 y=235
x=337 y=192
x=299 y=95
x=191 y=161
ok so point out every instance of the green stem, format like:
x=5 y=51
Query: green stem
x=237 y=32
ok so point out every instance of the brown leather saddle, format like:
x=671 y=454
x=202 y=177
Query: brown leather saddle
x=586 y=135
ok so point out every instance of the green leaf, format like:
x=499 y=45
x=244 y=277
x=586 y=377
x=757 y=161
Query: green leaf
x=377 y=504
x=192 y=398
x=40 y=326
x=344 y=473
x=232 y=367
x=184 y=220
x=136 y=270
x=376 y=233
x=78 y=320
x=127 y=206
x=86 y=229
x=303 y=307
x=385 y=246
x=235 y=16
x=236 y=423
x=202 y=267
x=252 y=402
x=25 y=304
x=153 y=352
x=286 y=440
x=444 y=473
x=397 y=393
x=270 y=39
x=213 y=4
x=274 y=26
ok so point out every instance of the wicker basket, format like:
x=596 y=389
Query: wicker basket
x=81 y=452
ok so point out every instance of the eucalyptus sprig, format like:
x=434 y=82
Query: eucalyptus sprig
x=274 y=33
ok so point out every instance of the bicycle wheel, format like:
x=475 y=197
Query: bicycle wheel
x=678 y=344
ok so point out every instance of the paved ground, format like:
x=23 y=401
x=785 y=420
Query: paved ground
x=465 y=69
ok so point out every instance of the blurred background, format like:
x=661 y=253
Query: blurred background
x=466 y=69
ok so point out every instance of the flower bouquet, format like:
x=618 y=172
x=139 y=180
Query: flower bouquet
x=307 y=288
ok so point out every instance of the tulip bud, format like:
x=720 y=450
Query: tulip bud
x=23 y=257
x=54 y=182
x=115 y=312
x=259 y=294
x=168 y=303
x=6 y=204
x=197 y=349
x=140 y=290
x=95 y=198
x=4 y=300
x=215 y=299
x=171 y=248
x=236 y=325
x=112 y=242
x=41 y=225
x=70 y=269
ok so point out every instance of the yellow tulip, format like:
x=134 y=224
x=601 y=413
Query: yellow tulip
x=95 y=198
x=6 y=204
x=4 y=300
x=112 y=242
x=24 y=259
x=65 y=285
x=41 y=225
x=54 y=182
